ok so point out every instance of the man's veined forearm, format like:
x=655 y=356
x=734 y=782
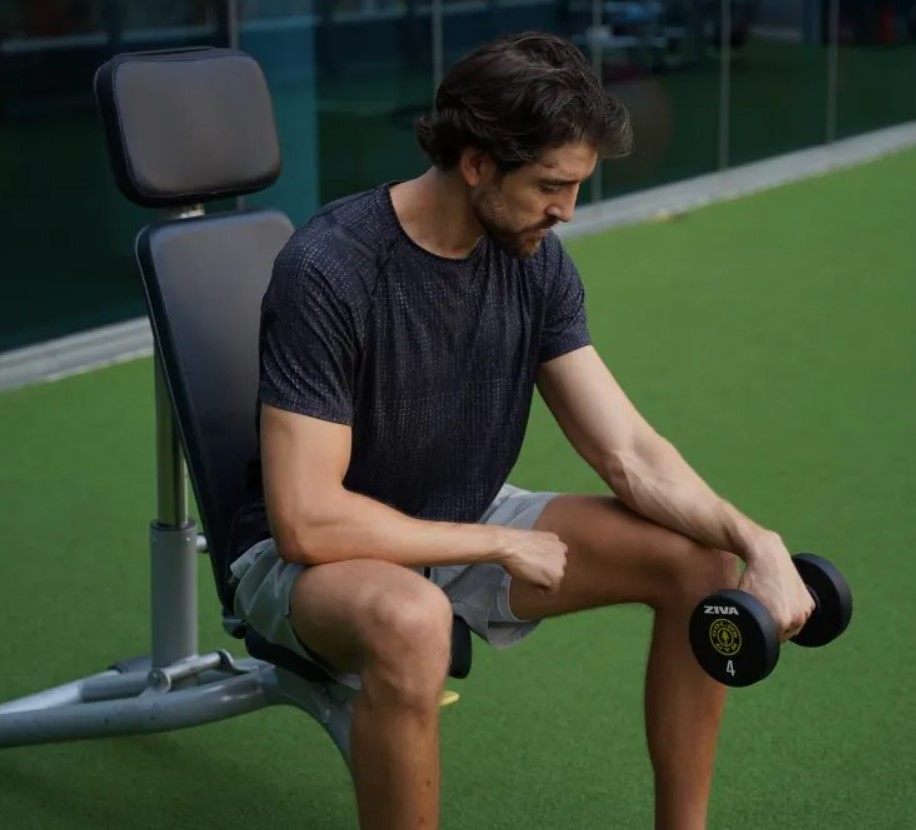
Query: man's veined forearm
x=348 y=525
x=659 y=484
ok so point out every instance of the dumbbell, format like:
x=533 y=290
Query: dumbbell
x=734 y=636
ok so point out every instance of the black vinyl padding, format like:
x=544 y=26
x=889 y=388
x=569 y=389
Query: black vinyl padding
x=187 y=126
x=204 y=279
x=276 y=655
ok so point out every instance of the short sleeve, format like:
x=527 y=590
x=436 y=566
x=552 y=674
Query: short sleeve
x=565 y=321
x=308 y=342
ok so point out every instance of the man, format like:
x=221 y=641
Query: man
x=403 y=334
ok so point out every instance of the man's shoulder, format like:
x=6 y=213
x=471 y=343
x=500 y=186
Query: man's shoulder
x=345 y=238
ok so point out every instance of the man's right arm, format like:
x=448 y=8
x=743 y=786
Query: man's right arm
x=315 y=520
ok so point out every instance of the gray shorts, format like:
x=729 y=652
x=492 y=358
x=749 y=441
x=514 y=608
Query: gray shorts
x=479 y=593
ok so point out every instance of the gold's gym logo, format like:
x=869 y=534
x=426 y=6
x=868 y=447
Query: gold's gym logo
x=725 y=637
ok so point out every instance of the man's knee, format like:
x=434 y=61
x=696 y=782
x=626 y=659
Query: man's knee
x=696 y=571
x=408 y=643
x=724 y=570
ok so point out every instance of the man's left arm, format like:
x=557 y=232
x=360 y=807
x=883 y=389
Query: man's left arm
x=643 y=469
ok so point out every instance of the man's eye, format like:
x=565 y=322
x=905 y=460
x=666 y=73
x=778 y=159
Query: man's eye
x=549 y=188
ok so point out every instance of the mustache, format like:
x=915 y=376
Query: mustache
x=543 y=226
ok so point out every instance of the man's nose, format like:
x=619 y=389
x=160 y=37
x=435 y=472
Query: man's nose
x=563 y=208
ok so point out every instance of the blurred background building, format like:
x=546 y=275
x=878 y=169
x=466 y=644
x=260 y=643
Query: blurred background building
x=710 y=84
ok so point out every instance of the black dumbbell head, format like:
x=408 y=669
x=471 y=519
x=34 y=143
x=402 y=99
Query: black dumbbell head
x=833 y=597
x=734 y=638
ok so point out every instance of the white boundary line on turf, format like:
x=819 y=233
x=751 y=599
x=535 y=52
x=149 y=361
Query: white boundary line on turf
x=75 y=354
x=661 y=202
x=133 y=339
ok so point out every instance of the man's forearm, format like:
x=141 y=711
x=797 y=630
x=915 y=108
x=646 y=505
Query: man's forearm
x=348 y=525
x=660 y=485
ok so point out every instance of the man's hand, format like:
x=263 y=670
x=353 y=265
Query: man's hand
x=772 y=578
x=533 y=555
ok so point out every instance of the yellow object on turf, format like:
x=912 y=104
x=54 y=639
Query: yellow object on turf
x=448 y=697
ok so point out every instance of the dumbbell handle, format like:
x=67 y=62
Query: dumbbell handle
x=817 y=602
x=817 y=605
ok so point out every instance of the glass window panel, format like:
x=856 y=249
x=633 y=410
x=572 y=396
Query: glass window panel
x=374 y=76
x=876 y=71
x=779 y=72
x=67 y=235
x=661 y=59
x=281 y=36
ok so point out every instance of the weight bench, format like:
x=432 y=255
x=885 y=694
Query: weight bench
x=183 y=128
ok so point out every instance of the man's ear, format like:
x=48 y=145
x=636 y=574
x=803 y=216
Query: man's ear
x=476 y=166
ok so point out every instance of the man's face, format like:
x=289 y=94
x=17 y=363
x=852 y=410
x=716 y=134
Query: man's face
x=516 y=209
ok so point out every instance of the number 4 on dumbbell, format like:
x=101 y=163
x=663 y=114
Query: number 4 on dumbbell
x=735 y=639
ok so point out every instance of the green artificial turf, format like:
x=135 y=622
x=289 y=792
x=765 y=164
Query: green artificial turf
x=771 y=339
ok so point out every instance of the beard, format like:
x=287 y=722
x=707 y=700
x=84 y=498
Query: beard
x=489 y=211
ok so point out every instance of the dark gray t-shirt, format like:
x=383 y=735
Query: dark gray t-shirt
x=430 y=361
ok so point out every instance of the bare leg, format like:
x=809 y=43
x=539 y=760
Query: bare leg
x=393 y=627
x=395 y=764
x=618 y=557
x=683 y=710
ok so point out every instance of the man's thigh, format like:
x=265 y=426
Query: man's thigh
x=321 y=613
x=614 y=557
x=332 y=606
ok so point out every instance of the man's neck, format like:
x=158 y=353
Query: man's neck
x=433 y=211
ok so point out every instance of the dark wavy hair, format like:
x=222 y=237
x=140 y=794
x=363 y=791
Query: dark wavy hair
x=518 y=96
